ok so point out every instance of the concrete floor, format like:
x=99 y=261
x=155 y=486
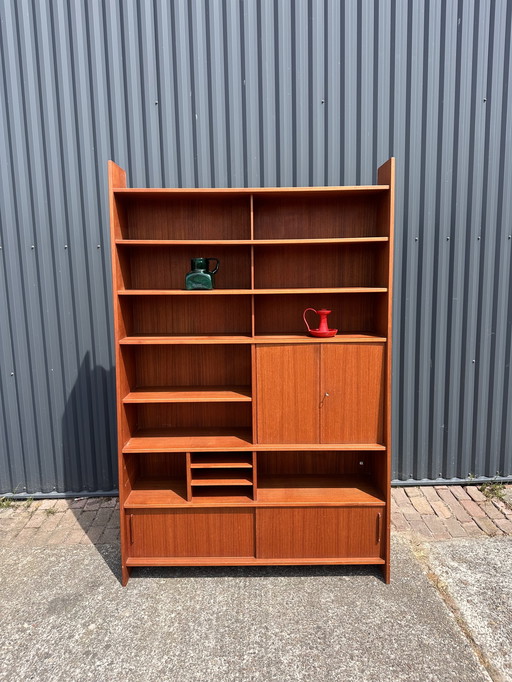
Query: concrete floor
x=445 y=617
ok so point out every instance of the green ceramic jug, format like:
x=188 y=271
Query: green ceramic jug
x=200 y=276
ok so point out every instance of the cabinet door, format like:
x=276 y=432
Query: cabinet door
x=287 y=383
x=191 y=533
x=352 y=393
x=319 y=533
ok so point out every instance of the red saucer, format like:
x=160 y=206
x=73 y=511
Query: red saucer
x=323 y=335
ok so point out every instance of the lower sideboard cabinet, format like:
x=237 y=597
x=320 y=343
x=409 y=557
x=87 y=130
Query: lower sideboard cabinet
x=256 y=535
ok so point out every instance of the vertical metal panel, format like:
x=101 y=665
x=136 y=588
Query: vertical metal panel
x=272 y=93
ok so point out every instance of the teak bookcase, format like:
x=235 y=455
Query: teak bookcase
x=242 y=440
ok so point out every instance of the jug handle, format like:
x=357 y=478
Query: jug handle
x=217 y=261
x=304 y=317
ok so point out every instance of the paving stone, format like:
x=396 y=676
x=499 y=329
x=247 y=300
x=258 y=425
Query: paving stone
x=455 y=528
x=114 y=521
x=398 y=494
x=35 y=521
x=420 y=528
x=25 y=536
x=505 y=525
x=491 y=511
x=77 y=503
x=475 y=493
x=488 y=526
x=459 y=492
x=109 y=502
x=454 y=506
x=440 y=487
x=61 y=505
x=58 y=536
x=102 y=517
x=74 y=538
x=69 y=519
x=399 y=522
x=421 y=505
x=413 y=492
x=110 y=536
x=52 y=521
x=473 y=509
x=94 y=533
x=411 y=514
x=502 y=506
x=86 y=519
x=41 y=539
x=47 y=504
x=437 y=527
x=93 y=503
x=472 y=529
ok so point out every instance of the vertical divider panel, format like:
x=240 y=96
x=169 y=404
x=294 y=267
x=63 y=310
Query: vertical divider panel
x=189 y=476
x=254 y=476
x=254 y=403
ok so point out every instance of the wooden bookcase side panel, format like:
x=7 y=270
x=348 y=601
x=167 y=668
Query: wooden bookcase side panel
x=386 y=173
x=126 y=473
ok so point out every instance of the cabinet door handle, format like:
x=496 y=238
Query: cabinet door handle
x=379 y=519
x=130 y=526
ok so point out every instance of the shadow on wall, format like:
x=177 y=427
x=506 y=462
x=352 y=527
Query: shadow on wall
x=89 y=461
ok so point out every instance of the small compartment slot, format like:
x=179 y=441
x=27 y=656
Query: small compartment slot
x=221 y=494
x=156 y=478
x=221 y=460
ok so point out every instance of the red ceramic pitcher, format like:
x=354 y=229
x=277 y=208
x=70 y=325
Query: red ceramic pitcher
x=323 y=328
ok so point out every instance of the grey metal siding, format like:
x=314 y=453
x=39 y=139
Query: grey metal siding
x=250 y=93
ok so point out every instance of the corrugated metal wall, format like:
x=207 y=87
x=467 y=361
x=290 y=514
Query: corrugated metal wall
x=269 y=92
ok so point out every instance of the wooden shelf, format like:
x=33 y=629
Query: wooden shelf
x=248 y=242
x=283 y=491
x=250 y=561
x=262 y=338
x=220 y=440
x=238 y=292
x=181 y=440
x=180 y=340
x=322 y=490
x=219 y=478
x=158 y=492
x=189 y=394
x=161 y=192
x=305 y=338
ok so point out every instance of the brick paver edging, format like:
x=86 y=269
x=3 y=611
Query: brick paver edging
x=443 y=512
x=428 y=512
